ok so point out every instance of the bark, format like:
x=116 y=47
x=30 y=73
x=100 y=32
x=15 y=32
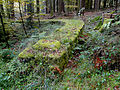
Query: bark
x=90 y=4
x=25 y=9
x=99 y=4
x=96 y=4
x=86 y=4
x=54 y=6
x=116 y=5
x=22 y=18
x=12 y=14
x=5 y=36
x=2 y=10
x=111 y=3
x=83 y=3
x=37 y=8
x=51 y=8
x=60 y=9
x=105 y=1
x=57 y=4
x=46 y=6
x=30 y=11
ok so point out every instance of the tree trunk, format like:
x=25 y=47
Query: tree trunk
x=68 y=3
x=86 y=4
x=54 y=6
x=51 y=8
x=116 y=5
x=25 y=10
x=90 y=4
x=37 y=8
x=99 y=4
x=96 y=4
x=105 y=1
x=12 y=14
x=83 y=3
x=63 y=6
x=5 y=36
x=60 y=7
x=2 y=10
x=22 y=18
x=111 y=3
x=46 y=6
x=30 y=12
x=57 y=4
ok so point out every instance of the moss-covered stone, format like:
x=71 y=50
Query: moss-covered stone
x=57 y=47
x=26 y=53
x=50 y=44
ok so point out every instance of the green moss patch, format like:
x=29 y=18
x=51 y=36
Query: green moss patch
x=50 y=44
x=56 y=47
x=26 y=53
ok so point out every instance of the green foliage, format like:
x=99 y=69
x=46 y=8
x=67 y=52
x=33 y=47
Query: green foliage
x=6 y=55
x=5 y=81
x=98 y=26
x=96 y=19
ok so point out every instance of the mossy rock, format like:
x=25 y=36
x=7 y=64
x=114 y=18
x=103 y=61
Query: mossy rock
x=50 y=44
x=56 y=48
x=26 y=53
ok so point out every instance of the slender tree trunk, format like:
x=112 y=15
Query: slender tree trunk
x=90 y=4
x=5 y=36
x=54 y=6
x=76 y=5
x=63 y=6
x=80 y=4
x=86 y=4
x=51 y=8
x=8 y=9
x=99 y=4
x=30 y=10
x=77 y=9
x=111 y=3
x=22 y=18
x=83 y=3
x=38 y=11
x=68 y=10
x=46 y=6
x=57 y=4
x=25 y=5
x=96 y=5
x=116 y=5
x=105 y=1
x=12 y=14
x=2 y=9
x=60 y=9
x=38 y=8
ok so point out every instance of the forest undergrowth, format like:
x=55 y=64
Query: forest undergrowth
x=94 y=64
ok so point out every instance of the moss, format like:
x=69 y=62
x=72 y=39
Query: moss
x=26 y=53
x=56 y=48
x=51 y=44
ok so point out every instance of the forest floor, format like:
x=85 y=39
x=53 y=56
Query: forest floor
x=80 y=73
